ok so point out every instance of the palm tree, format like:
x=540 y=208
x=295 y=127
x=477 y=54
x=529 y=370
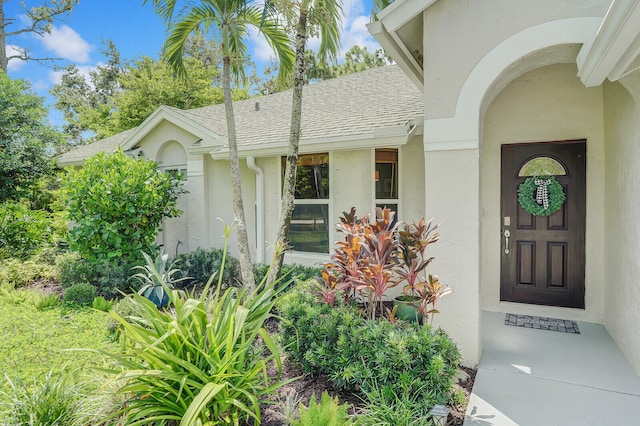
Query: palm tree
x=230 y=19
x=324 y=18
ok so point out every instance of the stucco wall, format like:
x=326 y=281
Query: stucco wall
x=220 y=202
x=459 y=33
x=621 y=244
x=452 y=198
x=547 y=104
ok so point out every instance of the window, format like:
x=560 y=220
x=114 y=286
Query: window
x=542 y=166
x=309 y=229
x=386 y=177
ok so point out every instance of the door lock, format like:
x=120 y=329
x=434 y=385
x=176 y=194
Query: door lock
x=507 y=234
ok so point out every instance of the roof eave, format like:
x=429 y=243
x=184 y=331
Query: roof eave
x=384 y=137
x=165 y=113
x=615 y=50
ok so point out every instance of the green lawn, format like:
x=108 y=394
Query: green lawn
x=33 y=342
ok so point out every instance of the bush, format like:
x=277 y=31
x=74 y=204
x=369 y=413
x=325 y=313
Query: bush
x=22 y=230
x=295 y=272
x=17 y=273
x=356 y=353
x=54 y=401
x=102 y=304
x=200 y=264
x=117 y=205
x=328 y=413
x=205 y=360
x=80 y=294
x=45 y=301
x=110 y=277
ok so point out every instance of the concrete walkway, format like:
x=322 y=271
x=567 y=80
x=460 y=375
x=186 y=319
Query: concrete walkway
x=544 y=378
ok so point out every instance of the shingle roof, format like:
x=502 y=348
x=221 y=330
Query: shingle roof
x=83 y=152
x=353 y=105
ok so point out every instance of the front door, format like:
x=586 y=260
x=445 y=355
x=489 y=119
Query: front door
x=543 y=257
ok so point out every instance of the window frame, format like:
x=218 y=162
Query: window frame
x=396 y=201
x=310 y=257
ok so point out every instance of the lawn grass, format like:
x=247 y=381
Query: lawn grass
x=33 y=343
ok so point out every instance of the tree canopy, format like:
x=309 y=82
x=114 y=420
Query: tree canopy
x=122 y=94
x=26 y=140
x=39 y=20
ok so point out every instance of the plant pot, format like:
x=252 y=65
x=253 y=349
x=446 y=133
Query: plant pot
x=160 y=303
x=406 y=309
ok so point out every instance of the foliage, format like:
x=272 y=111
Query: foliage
x=387 y=406
x=24 y=138
x=32 y=342
x=294 y=272
x=102 y=304
x=43 y=301
x=199 y=265
x=36 y=20
x=200 y=364
x=528 y=200
x=231 y=20
x=117 y=205
x=125 y=308
x=22 y=230
x=50 y=400
x=80 y=295
x=356 y=59
x=328 y=413
x=157 y=278
x=365 y=261
x=109 y=276
x=86 y=104
x=414 y=240
x=430 y=292
x=357 y=353
x=17 y=273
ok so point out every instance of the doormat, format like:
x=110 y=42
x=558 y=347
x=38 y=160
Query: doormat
x=541 y=323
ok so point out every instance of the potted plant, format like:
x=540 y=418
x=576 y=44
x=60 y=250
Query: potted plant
x=413 y=242
x=430 y=292
x=157 y=279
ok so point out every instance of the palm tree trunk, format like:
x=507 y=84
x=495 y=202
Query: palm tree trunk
x=288 y=190
x=246 y=266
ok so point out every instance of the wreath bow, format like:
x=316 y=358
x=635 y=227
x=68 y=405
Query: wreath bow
x=541 y=195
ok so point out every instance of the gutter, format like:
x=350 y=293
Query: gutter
x=259 y=207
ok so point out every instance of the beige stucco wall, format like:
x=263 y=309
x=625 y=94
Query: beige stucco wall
x=547 y=104
x=459 y=33
x=622 y=200
x=452 y=198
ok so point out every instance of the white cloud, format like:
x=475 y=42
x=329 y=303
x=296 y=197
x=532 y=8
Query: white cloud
x=14 y=64
x=68 y=44
x=261 y=51
x=55 y=77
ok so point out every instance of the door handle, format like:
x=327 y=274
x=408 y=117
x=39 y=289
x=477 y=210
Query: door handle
x=506 y=234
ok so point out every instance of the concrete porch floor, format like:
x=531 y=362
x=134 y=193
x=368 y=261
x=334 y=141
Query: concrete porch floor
x=536 y=377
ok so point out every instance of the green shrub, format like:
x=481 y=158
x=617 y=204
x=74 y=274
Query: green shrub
x=12 y=296
x=102 y=304
x=206 y=361
x=110 y=277
x=80 y=294
x=117 y=205
x=355 y=353
x=386 y=406
x=200 y=264
x=294 y=272
x=45 y=301
x=22 y=230
x=328 y=413
x=53 y=401
x=19 y=273
x=125 y=308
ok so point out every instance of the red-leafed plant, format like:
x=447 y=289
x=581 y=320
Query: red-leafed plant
x=414 y=240
x=430 y=292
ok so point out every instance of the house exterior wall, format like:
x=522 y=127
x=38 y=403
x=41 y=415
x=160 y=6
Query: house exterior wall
x=622 y=201
x=453 y=47
x=547 y=104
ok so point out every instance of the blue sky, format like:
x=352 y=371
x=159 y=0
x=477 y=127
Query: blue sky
x=136 y=31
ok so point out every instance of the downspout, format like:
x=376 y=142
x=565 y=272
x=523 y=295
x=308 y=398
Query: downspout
x=259 y=208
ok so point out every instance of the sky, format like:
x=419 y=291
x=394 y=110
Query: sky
x=136 y=31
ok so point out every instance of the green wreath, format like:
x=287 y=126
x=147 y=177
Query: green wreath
x=542 y=198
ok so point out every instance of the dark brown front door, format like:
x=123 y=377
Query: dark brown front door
x=544 y=260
